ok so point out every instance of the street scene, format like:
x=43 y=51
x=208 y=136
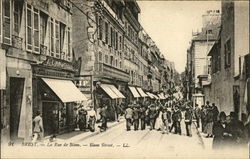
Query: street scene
x=124 y=79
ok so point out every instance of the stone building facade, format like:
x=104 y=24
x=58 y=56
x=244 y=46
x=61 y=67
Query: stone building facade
x=36 y=50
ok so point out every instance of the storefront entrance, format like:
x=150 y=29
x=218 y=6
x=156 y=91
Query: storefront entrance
x=16 y=96
x=50 y=117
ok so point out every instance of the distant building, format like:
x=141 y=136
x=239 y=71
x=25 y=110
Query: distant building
x=198 y=61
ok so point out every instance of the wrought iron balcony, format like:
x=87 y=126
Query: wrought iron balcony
x=105 y=70
x=17 y=41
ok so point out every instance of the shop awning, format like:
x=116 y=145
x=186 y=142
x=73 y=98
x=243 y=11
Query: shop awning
x=65 y=90
x=150 y=95
x=134 y=92
x=141 y=92
x=117 y=92
x=109 y=91
x=161 y=96
x=156 y=97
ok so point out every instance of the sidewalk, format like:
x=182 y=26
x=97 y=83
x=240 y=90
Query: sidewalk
x=77 y=135
x=207 y=142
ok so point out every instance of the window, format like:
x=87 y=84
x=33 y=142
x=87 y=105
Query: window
x=16 y=17
x=106 y=59
x=32 y=34
x=209 y=31
x=52 y=37
x=6 y=22
x=120 y=64
x=62 y=41
x=116 y=63
x=116 y=40
x=111 y=36
x=100 y=28
x=69 y=44
x=111 y=60
x=120 y=39
x=57 y=39
x=106 y=32
x=227 y=52
x=43 y=26
x=100 y=56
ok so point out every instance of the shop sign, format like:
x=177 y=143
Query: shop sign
x=49 y=72
x=60 y=64
x=85 y=84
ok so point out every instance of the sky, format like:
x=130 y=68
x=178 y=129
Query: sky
x=170 y=25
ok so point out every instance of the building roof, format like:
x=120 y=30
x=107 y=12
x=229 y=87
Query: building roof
x=204 y=35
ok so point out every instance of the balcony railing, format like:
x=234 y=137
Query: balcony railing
x=111 y=72
x=43 y=49
x=17 y=41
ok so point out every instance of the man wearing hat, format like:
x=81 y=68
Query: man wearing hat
x=129 y=116
x=152 y=113
x=136 y=117
x=197 y=114
x=188 y=120
x=176 y=117
x=91 y=118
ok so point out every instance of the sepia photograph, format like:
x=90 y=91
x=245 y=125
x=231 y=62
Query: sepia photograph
x=125 y=79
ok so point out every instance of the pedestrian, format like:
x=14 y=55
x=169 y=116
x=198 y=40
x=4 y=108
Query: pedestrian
x=128 y=117
x=152 y=113
x=103 y=114
x=143 y=117
x=188 y=121
x=38 y=130
x=203 y=119
x=165 y=119
x=215 y=112
x=209 y=124
x=136 y=117
x=247 y=128
x=197 y=114
x=82 y=121
x=176 y=117
x=235 y=130
x=159 y=122
x=91 y=118
x=218 y=131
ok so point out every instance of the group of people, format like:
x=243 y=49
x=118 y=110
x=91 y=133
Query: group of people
x=227 y=130
x=158 y=116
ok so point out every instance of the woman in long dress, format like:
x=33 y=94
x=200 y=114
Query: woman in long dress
x=159 y=122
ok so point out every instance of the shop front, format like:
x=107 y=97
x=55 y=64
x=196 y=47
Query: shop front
x=109 y=95
x=55 y=95
x=133 y=94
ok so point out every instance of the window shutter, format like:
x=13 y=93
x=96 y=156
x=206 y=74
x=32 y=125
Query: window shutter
x=28 y=27
x=36 y=35
x=7 y=22
x=1 y=21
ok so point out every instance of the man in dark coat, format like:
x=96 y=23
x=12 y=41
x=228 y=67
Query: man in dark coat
x=136 y=117
x=203 y=118
x=218 y=131
x=143 y=117
x=176 y=117
x=235 y=130
x=188 y=120
x=215 y=112
x=197 y=114
x=152 y=116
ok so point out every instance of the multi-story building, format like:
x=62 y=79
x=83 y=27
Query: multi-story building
x=230 y=86
x=198 y=61
x=37 y=67
x=98 y=39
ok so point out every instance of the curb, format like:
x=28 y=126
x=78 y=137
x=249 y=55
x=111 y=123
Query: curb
x=97 y=132
x=199 y=135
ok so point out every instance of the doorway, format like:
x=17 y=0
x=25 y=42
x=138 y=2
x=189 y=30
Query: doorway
x=50 y=117
x=16 y=96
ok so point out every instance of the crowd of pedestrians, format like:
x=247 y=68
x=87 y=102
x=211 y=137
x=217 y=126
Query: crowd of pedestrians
x=159 y=117
x=226 y=130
